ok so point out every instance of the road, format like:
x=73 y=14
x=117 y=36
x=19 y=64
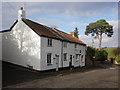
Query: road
x=97 y=78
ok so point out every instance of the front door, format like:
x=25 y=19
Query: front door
x=70 y=63
x=57 y=62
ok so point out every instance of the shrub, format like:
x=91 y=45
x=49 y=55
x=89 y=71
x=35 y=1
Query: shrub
x=101 y=55
x=90 y=53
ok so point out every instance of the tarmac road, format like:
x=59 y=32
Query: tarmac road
x=98 y=78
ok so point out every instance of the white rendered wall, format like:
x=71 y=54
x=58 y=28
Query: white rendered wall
x=55 y=49
x=22 y=46
x=71 y=50
x=80 y=62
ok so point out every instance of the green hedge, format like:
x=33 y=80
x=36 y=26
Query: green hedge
x=95 y=54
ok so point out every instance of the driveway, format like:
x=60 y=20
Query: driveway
x=95 y=78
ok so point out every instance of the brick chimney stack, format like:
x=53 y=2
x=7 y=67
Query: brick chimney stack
x=72 y=33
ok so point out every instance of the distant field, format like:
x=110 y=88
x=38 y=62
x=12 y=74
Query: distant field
x=110 y=53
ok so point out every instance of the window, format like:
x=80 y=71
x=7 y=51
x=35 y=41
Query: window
x=65 y=56
x=80 y=51
x=49 y=42
x=65 y=44
x=77 y=56
x=49 y=58
x=75 y=45
x=82 y=58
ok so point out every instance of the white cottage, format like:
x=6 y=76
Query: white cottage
x=39 y=47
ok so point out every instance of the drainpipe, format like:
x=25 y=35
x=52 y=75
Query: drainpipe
x=62 y=54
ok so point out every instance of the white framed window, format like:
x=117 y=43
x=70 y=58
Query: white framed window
x=77 y=56
x=82 y=56
x=65 y=56
x=49 y=58
x=64 y=44
x=49 y=42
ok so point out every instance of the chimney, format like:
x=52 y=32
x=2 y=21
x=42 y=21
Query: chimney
x=21 y=14
x=72 y=33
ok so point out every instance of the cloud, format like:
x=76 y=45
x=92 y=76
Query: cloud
x=106 y=41
x=55 y=9
x=72 y=10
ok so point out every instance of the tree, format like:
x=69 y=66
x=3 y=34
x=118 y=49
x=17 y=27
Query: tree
x=76 y=32
x=98 y=28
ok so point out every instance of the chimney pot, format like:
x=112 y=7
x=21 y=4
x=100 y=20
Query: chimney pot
x=21 y=8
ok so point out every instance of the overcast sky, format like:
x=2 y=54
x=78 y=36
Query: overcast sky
x=66 y=16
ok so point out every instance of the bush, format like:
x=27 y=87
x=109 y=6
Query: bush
x=90 y=53
x=101 y=55
x=94 y=54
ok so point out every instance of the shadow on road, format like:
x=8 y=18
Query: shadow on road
x=13 y=74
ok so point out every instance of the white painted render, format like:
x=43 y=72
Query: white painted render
x=57 y=49
x=21 y=46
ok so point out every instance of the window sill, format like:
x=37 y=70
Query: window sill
x=65 y=60
x=49 y=46
x=49 y=64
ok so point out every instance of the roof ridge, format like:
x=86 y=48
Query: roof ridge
x=61 y=34
x=50 y=30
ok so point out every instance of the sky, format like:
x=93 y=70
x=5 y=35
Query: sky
x=65 y=16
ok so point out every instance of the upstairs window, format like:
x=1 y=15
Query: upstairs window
x=80 y=51
x=75 y=45
x=49 y=42
x=49 y=58
x=65 y=56
x=64 y=44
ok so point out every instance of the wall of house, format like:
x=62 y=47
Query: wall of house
x=22 y=46
x=71 y=50
x=55 y=49
x=80 y=49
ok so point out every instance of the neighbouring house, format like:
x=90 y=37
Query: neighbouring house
x=39 y=47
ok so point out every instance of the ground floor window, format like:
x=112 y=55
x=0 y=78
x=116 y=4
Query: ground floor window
x=82 y=58
x=65 y=56
x=77 y=56
x=49 y=58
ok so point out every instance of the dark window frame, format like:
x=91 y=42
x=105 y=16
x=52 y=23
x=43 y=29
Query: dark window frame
x=75 y=45
x=65 y=56
x=49 y=59
x=49 y=42
x=64 y=44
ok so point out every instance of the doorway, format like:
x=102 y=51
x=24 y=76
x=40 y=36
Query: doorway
x=70 y=63
x=57 y=62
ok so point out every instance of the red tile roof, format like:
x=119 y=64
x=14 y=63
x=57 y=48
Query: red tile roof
x=43 y=30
